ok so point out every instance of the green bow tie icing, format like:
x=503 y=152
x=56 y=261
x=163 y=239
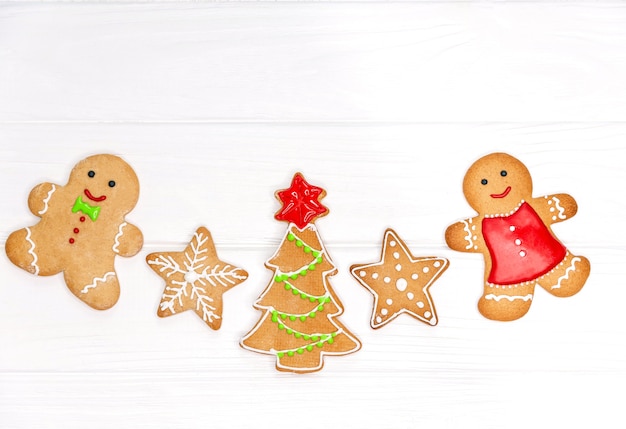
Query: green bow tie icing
x=81 y=206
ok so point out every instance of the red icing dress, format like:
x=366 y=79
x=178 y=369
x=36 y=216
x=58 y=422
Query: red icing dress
x=521 y=247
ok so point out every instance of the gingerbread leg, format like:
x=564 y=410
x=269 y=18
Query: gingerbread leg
x=567 y=278
x=505 y=303
x=23 y=251
x=98 y=290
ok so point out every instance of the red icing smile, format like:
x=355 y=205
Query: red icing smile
x=502 y=195
x=92 y=198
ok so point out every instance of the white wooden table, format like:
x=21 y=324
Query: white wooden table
x=384 y=105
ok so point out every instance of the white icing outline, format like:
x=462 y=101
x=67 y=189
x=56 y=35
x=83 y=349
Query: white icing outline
x=47 y=200
x=267 y=313
x=320 y=253
x=511 y=298
x=566 y=275
x=118 y=236
x=31 y=251
x=96 y=280
x=444 y=263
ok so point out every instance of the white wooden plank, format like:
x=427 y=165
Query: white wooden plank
x=404 y=400
x=130 y=367
x=384 y=105
x=479 y=61
x=408 y=176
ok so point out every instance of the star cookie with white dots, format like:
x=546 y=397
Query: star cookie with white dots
x=400 y=282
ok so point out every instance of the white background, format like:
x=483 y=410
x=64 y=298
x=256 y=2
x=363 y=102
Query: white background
x=384 y=105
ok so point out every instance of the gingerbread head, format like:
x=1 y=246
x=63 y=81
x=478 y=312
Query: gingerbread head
x=513 y=232
x=82 y=229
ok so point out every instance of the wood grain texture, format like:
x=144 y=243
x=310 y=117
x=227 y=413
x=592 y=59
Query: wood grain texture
x=479 y=61
x=384 y=105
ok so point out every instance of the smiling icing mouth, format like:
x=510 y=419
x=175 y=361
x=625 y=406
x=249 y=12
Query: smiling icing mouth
x=503 y=194
x=92 y=198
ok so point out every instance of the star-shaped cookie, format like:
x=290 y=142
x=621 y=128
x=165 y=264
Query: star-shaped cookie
x=301 y=202
x=400 y=282
x=195 y=279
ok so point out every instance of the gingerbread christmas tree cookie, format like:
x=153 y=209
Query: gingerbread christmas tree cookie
x=300 y=325
x=82 y=229
x=513 y=232
x=400 y=282
x=195 y=279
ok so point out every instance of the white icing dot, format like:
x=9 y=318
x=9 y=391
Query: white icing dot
x=425 y=269
x=437 y=264
x=551 y=209
x=386 y=279
x=392 y=243
x=384 y=311
x=420 y=304
x=511 y=228
x=550 y=201
x=375 y=276
x=475 y=247
x=389 y=301
x=398 y=267
x=396 y=255
x=473 y=227
x=362 y=273
x=414 y=276
x=522 y=253
x=401 y=284
x=379 y=319
x=553 y=217
x=518 y=241
x=410 y=295
x=475 y=237
x=427 y=314
x=191 y=276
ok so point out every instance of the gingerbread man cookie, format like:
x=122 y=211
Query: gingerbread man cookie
x=82 y=229
x=513 y=233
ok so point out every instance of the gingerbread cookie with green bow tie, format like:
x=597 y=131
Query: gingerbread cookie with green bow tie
x=82 y=229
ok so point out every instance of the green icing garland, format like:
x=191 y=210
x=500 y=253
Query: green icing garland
x=317 y=254
x=321 y=299
x=320 y=339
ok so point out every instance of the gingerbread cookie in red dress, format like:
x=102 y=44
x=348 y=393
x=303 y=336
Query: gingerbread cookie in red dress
x=513 y=232
x=82 y=229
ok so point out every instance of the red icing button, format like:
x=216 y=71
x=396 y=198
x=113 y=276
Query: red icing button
x=71 y=241
x=75 y=230
x=82 y=218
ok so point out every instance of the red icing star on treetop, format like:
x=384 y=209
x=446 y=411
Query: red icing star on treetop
x=300 y=202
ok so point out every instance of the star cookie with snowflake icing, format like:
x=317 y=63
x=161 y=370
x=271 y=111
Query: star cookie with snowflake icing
x=301 y=204
x=195 y=279
x=400 y=282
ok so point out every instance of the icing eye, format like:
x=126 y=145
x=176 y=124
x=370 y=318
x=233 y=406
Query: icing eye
x=111 y=183
x=503 y=173
x=91 y=173
x=484 y=181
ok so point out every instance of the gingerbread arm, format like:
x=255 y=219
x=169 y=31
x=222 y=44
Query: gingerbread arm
x=463 y=235
x=40 y=197
x=128 y=240
x=555 y=208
